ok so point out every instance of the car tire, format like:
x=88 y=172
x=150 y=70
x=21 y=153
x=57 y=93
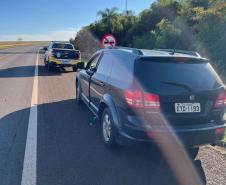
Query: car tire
x=74 y=68
x=49 y=66
x=78 y=94
x=193 y=152
x=108 y=129
x=46 y=62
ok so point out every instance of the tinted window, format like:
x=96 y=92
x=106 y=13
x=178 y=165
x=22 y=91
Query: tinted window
x=105 y=65
x=64 y=54
x=62 y=46
x=122 y=67
x=161 y=74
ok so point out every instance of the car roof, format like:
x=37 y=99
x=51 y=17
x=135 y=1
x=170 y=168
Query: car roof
x=145 y=53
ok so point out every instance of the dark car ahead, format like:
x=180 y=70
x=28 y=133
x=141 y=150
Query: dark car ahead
x=137 y=94
x=61 y=54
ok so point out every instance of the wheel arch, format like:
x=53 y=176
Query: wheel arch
x=107 y=102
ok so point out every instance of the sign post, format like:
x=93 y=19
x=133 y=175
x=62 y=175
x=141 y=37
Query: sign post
x=109 y=41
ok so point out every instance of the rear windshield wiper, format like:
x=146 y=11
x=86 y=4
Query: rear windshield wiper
x=179 y=85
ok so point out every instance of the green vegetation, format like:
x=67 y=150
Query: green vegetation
x=198 y=25
x=181 y=24
x=224 y=137
x=6 y=45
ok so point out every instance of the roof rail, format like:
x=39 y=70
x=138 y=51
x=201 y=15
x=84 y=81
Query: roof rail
x=133 y=50
x=172 y=51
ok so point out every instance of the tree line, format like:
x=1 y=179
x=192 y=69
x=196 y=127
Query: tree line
x=198 y=25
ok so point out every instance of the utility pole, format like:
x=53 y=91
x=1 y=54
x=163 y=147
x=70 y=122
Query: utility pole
x=126 y=7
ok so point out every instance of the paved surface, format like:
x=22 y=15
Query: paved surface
x=69 y=148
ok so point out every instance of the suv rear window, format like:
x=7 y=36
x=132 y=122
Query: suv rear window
x=170 y=74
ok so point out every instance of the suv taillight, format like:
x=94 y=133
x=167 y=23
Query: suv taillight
x=139 y=99
x=151 y=101
x=221 y=100
x=134 y=98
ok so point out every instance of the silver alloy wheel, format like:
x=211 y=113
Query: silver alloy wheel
x=106 y=127
x=77 y=92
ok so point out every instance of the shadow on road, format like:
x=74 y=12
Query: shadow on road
x=27 y=71
x=13 y=133
x=70 y=151
x=18 y=52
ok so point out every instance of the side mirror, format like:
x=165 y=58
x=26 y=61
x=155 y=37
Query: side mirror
x=90 y=72
x=81 y=65
x=45 y=48
x=94 y=69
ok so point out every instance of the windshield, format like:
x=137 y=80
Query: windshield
x=112 y=92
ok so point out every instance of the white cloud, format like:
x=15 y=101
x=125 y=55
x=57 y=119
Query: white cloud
x=59 y=35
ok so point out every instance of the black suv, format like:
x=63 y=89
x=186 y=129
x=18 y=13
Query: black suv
x=138 y=93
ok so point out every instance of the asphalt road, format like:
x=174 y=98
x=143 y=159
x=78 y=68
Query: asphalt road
x=69 y=148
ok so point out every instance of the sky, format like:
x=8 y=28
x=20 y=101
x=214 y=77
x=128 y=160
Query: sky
x=54 y=19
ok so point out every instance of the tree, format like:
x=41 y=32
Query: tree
x=109 y=18
x=181 y=24
x=86 y=42
x=108 y=13
x=168 y=35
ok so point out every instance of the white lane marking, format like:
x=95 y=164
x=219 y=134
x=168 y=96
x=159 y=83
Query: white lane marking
x=29 y=174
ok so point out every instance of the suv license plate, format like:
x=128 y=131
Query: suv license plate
x=187 y=107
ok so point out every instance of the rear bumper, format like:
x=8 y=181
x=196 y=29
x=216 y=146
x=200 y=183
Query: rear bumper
x=194 y=135
x=64 y=62
x=63 y=65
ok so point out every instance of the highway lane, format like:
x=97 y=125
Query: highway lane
x=69 y=148
x=16 y=79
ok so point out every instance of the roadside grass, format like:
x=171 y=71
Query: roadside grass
x=6 y=45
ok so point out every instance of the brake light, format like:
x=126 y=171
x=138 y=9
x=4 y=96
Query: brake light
x=134 y=98
x=139 y=99
x=221 y=100
x=151 y=101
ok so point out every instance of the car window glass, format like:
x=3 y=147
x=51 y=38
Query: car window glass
x=105 y=65
x=164 y=74
x=93 y=62
x=62 y=46
x=122 y=67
